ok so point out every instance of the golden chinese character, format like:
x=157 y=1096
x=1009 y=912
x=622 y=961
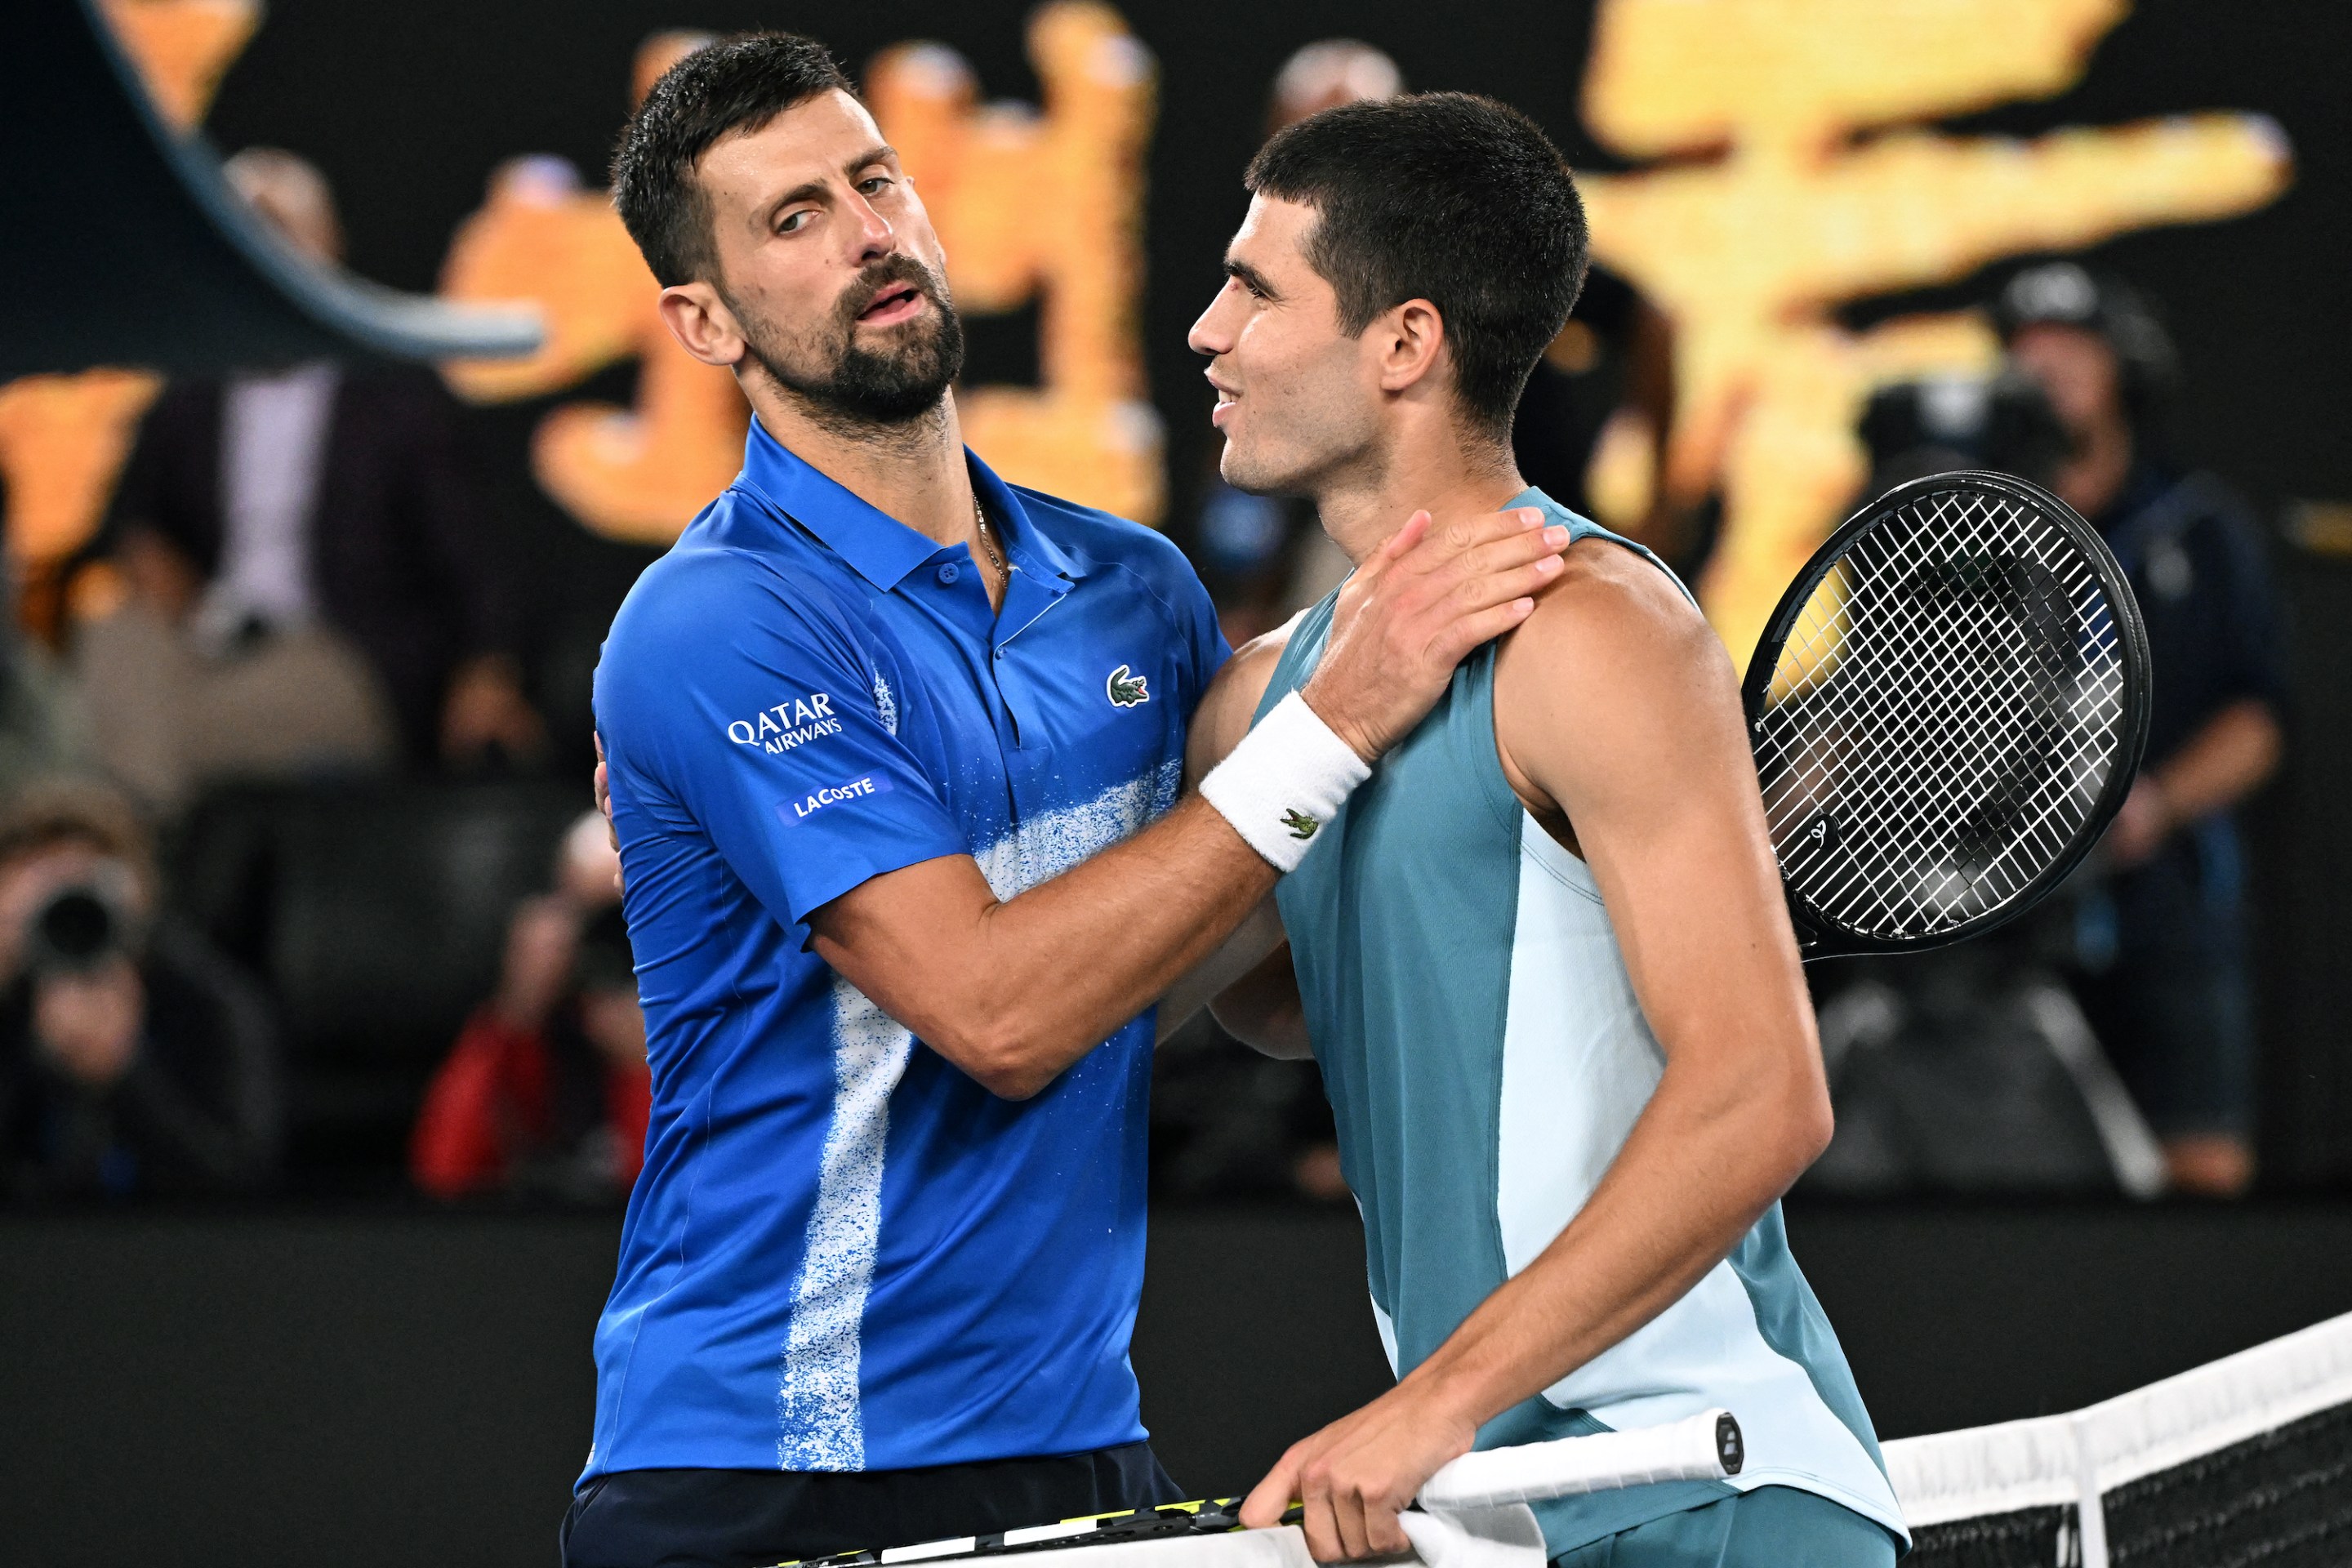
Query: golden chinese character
x=1029 y=204
x=1747 y=251
x=64 y=437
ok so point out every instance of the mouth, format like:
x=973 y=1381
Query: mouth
x=897 y=303
x=1227 y=398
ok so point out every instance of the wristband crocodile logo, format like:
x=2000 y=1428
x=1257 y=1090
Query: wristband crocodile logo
x=1125 y=689
x=1301 y=825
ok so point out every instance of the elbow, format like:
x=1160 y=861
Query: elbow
x=1013 y=1082
x=1785 y=1123
x=999 y=1055
x=1270 y=1032
x=1813 y=1125
x=1807 y=1124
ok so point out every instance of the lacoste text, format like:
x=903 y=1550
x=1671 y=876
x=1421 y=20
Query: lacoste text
x=817 y=800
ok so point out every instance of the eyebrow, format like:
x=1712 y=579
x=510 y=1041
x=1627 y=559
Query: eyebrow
x=811 y=189
x=1250 y=276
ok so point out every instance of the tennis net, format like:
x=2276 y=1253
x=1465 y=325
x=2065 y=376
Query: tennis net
x=2245 y=1461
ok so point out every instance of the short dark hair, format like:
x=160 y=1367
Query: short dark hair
x=737 y=83
x=1448 y=198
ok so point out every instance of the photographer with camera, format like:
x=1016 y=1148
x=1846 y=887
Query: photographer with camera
x=546 y=1093
x=134 y=1060
x=2166 y=944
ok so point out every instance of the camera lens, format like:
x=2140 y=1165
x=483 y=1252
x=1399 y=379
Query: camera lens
x=76 y=929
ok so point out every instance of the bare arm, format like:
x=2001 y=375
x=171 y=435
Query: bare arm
x=1014 y=992
x=1248 y=983
x=1229 y=981
x=1618 y=719
x=1232 y=963
x=1262 y=1008
x=2219 y=766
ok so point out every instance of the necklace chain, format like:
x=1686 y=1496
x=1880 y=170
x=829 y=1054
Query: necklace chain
x=979 y=516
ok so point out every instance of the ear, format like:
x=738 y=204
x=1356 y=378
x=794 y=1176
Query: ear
x=1409 y=338
x=702 y=324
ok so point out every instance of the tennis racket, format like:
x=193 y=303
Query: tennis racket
x=1706 y=1446
x=1947 y=708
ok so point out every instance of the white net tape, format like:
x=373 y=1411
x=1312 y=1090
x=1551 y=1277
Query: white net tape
x=2086 y=1460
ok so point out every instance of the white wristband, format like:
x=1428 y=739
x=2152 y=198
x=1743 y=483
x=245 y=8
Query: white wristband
x=1286 y=779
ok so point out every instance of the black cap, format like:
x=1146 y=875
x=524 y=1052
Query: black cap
x=2068 y=294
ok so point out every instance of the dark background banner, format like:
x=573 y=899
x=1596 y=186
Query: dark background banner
x=391 y=1391
x=409 y=107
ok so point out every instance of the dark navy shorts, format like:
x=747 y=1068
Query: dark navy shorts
x=747 y=1518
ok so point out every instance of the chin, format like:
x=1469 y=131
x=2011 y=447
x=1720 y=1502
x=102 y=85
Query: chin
x=1254 y=472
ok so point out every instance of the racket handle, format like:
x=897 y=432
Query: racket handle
x=1703 y=1448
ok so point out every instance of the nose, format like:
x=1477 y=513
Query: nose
x=1213 y=333
x=874 y=237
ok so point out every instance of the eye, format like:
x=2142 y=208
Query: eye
x=874 y=184
x=793 y=222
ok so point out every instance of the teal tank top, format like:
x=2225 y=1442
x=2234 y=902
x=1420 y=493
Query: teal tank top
x=1485 y=1058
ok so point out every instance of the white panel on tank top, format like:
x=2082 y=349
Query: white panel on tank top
x=1579 y=1062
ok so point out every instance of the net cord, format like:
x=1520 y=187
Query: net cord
x=2075 y=1459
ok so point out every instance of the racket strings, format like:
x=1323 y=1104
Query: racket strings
x=1944 y=716
x=1905 y=740
x=2018 y=735
x=1994 y=800
x=1902 y=756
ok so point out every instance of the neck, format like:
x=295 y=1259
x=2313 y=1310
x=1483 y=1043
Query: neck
x=1448 y=480
x=913 y=472
x=2094 y=476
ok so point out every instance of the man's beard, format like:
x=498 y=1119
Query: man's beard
x=850 y=387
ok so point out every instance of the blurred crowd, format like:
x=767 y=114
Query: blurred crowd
x=294 y=891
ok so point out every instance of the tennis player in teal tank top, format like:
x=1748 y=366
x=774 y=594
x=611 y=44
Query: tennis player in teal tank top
x=1542 y=957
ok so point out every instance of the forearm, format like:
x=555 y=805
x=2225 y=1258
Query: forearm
x=1231 y=963
x=1702 y=1163
x=1013 y=993
x=1262 y=1009
x=2221 y=763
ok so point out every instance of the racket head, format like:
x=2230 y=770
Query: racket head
x=1947 y=707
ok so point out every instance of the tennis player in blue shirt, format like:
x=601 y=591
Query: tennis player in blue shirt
x=893 y=752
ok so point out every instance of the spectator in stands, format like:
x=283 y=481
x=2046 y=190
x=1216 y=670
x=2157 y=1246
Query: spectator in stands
x=308 y=583
x=133 y=1059
x=2170 y=992
x=43 y=731
x=546 y=1091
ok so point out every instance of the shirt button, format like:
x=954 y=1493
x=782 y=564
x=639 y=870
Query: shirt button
x=948 y=573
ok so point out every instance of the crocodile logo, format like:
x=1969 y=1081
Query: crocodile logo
x=1301 y=825
x=1124 y=689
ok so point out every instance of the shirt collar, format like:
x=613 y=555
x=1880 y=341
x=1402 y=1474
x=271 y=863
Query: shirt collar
x=880 y=548
x=1029 y=546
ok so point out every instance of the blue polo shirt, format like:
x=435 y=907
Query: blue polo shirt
x=842 y=1253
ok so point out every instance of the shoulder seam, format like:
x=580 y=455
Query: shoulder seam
x=1173 y=618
